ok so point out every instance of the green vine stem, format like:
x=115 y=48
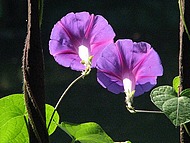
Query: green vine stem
x=182 y=18
x=148 y=111
x=186 y=129
x=40 y=9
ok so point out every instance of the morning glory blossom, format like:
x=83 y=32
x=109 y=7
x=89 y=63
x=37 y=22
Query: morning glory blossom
x=77 y=40
x=129 y=67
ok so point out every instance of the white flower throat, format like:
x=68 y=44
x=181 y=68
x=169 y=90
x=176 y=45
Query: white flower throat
x=127 y=83
x=129 y=92
x=83 y=54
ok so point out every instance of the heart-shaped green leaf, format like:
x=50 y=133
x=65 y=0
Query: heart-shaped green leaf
x=13 y=118
x=177 y=109
x=86 y=132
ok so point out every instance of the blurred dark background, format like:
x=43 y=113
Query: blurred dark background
x=153 y=21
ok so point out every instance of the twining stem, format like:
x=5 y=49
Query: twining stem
x=133 y=110
x=33 y=76
x=148 y=111
x=40 y=10
x=83 y=74
x=71 y=84
x=184 y=59
x=186 y=129
x=183 y=19
x=59 y=101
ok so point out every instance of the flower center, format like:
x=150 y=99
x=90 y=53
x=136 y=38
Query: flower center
x=83 y=54
x=127 y=84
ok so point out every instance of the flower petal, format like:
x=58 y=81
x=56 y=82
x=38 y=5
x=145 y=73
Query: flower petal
x=109 y=61
x=110 y=82
x=125 y=47
x=147 y=64
x=109 y=70
x=101 y=32
x=101 y=35
x=141 y=88
x=70 y=60
x=76 y=24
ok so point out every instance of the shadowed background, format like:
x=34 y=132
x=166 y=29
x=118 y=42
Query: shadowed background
x=155 y=22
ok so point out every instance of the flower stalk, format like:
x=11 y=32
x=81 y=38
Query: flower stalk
x=83 y=74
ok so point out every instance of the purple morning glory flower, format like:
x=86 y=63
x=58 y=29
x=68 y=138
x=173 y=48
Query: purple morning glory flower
x=78 y=37
x=129 y=67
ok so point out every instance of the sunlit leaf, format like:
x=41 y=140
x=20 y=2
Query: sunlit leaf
x=123 y=142
x=176 y=82
x=86 y=132
x=12 y=119
x=55 y=121
x=176 y=108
